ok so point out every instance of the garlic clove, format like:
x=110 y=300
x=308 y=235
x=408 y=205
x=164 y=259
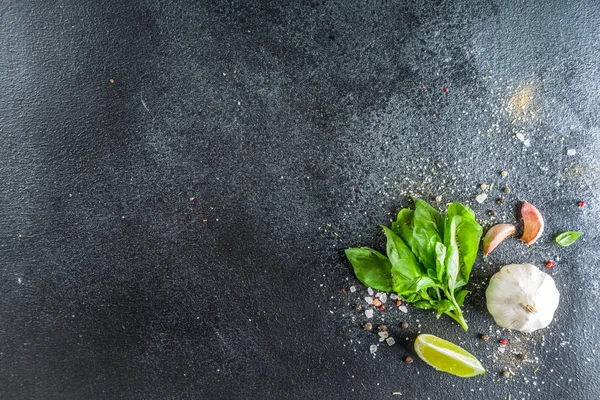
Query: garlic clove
x=533 y=223
x=495 y=236
x=522 y=297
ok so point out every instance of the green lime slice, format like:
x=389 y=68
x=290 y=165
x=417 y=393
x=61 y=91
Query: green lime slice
x=447 y=357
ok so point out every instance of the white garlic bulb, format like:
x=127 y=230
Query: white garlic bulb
x=522 y=297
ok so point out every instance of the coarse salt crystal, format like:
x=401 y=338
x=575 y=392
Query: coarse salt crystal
x=382 y=336
x=390 y=341
x=369 y=300
x=403 y=309
x=481 y=198
x=373 y=348
x=521 y=137
x=394 y=296
x=527 y=143
x=369 y=313
x=370 y=291
x=383 y=297
x=352 y=289
x=571 y=152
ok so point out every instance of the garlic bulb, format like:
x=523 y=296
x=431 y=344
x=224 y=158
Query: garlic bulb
x=522 y=297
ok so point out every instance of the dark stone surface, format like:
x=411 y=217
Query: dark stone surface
x=298 y=128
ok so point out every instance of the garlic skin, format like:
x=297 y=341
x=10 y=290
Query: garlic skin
x=522 y=297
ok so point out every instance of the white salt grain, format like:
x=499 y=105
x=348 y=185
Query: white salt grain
x=403 y=309
x=373 y=348
x=571 y=152
x=370 y=291
x=521 y=137
x=369 y=313
x=394 y=296
x=383 y=297
x=481 y=198
x=390 y=341
x=527 y=143
x=352 y=289
x=369 y=300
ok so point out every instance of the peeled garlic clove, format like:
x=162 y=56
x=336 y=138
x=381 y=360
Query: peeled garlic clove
x=533 y=223
x=522 y=297
x=495 y=236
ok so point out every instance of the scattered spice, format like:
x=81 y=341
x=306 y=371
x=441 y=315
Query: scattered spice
x=204 y=219
x=493 y=213
x=344 y=291
x=504 y=342
x=581 y=204
x=358 y=307
x=503 y=174
x=501 y=200
x=484 y=336
x=398 y=303
x=376 y=302
x=404 y=325
x=111 y=80
x=549 y=264
x=506 y=374
x=382 y=328
x=484 y=186
x=408 y=360
x=368 y=326
x=381 y=308
x=192 y=198
x=438 y=199
x=446 y=90
x=507 y=190
x=522 y=356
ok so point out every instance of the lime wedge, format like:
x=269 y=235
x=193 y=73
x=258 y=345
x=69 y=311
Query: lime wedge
x=447 y=357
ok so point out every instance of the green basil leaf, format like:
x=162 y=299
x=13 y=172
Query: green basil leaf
x=461 y=210
x=452 y=261
x=403 y=226
x=442 y=306
x=440 y=261
x=372 y=268
x=567 y=238
x=404 y=263
x=460 y=296
x=428 y=228
x=424 y=304
x=468 y=234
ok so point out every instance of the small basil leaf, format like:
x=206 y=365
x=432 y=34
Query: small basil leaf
x=460 y=296
x=567 y=238
x=452 y=254
x=440 y=261
x=424 y=304
x=371 y=268
x=404 y=263
x=442 y=306
x=428 y=228
x=403 y=226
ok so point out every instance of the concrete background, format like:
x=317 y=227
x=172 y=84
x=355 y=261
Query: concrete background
x=179 y=180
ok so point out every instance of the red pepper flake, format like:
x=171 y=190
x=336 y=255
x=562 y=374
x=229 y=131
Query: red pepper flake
x=446 y=90
x=377 y=302
x=344 y=291
x=549 y=264
x=382 y=307
x=504 y=342
x=398 y=303
x=581 y=204
x=192 y=198
x=204 y=219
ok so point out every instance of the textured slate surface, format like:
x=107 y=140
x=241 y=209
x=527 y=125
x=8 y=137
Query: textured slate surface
x=178 y=181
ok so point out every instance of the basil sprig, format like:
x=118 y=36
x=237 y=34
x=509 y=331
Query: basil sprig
x=429 y=258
